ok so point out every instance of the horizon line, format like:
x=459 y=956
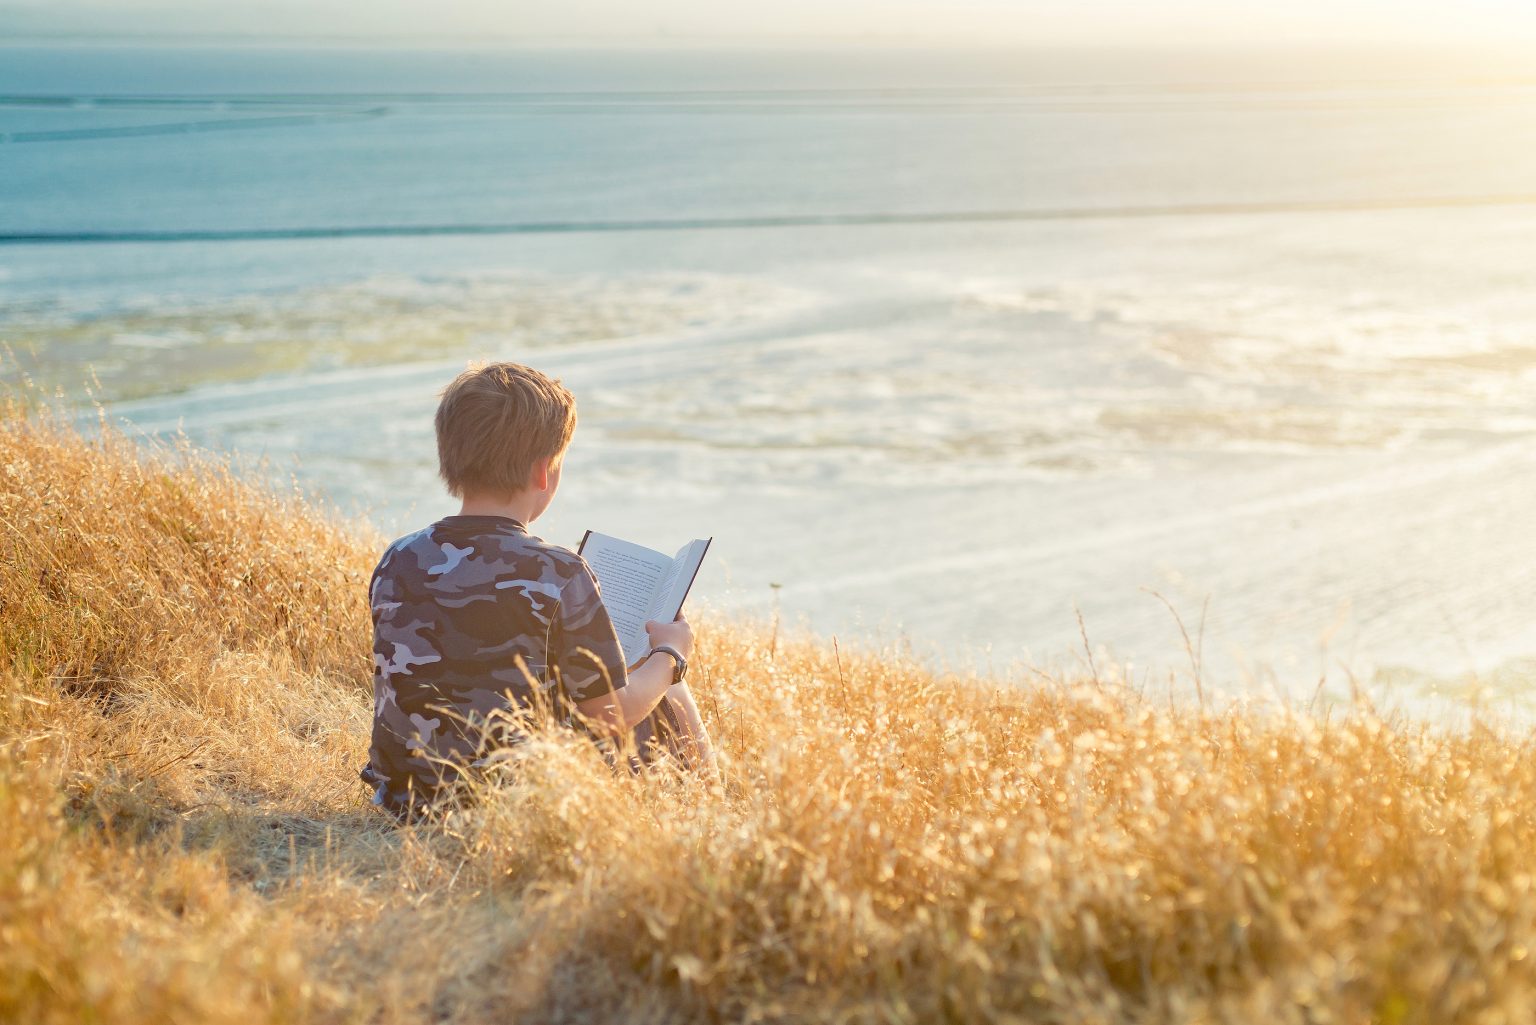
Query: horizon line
x=871 y=39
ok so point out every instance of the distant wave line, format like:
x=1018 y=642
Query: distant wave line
x=763 y=102
x=764 y=221
x=188 y=127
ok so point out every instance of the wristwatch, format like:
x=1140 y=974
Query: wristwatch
x=680 y=667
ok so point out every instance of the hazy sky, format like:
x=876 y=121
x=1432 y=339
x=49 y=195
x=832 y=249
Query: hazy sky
x=997 y=21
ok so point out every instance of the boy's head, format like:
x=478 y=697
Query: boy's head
x=496 y=423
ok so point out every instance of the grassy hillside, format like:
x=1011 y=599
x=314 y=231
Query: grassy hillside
x=184 y=703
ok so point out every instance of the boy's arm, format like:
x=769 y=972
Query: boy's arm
x=621 y=710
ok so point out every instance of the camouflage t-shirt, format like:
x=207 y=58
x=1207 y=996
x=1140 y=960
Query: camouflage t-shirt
x=472 y=617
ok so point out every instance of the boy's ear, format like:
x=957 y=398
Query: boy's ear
x=538 y=479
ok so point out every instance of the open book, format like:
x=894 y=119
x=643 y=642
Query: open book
x=639 y=584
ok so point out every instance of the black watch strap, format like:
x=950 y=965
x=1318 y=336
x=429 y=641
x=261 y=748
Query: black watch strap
x=680 y=664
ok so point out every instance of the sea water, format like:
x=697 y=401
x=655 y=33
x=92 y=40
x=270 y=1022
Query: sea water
x=1011 y=358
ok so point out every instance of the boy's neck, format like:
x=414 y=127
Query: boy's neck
x=523 y=506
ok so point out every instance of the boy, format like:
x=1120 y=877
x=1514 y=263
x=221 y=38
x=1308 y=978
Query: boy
x=477 y=622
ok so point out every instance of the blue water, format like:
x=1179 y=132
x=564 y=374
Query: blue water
x=1247 y=327
x=347 y=138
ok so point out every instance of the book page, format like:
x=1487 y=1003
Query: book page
x=672 y=589
x=627 y=575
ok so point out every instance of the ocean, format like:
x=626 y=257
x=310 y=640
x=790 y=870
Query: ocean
x=1004 y=358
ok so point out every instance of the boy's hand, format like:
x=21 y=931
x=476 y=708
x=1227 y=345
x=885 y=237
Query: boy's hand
x=677 y=634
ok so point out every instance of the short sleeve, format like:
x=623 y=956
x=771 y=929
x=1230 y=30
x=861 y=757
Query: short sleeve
x=590 y=659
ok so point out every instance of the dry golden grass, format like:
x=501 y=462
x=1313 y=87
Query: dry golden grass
x=184 y=705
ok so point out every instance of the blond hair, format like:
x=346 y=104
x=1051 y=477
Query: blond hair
x=495 y=422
